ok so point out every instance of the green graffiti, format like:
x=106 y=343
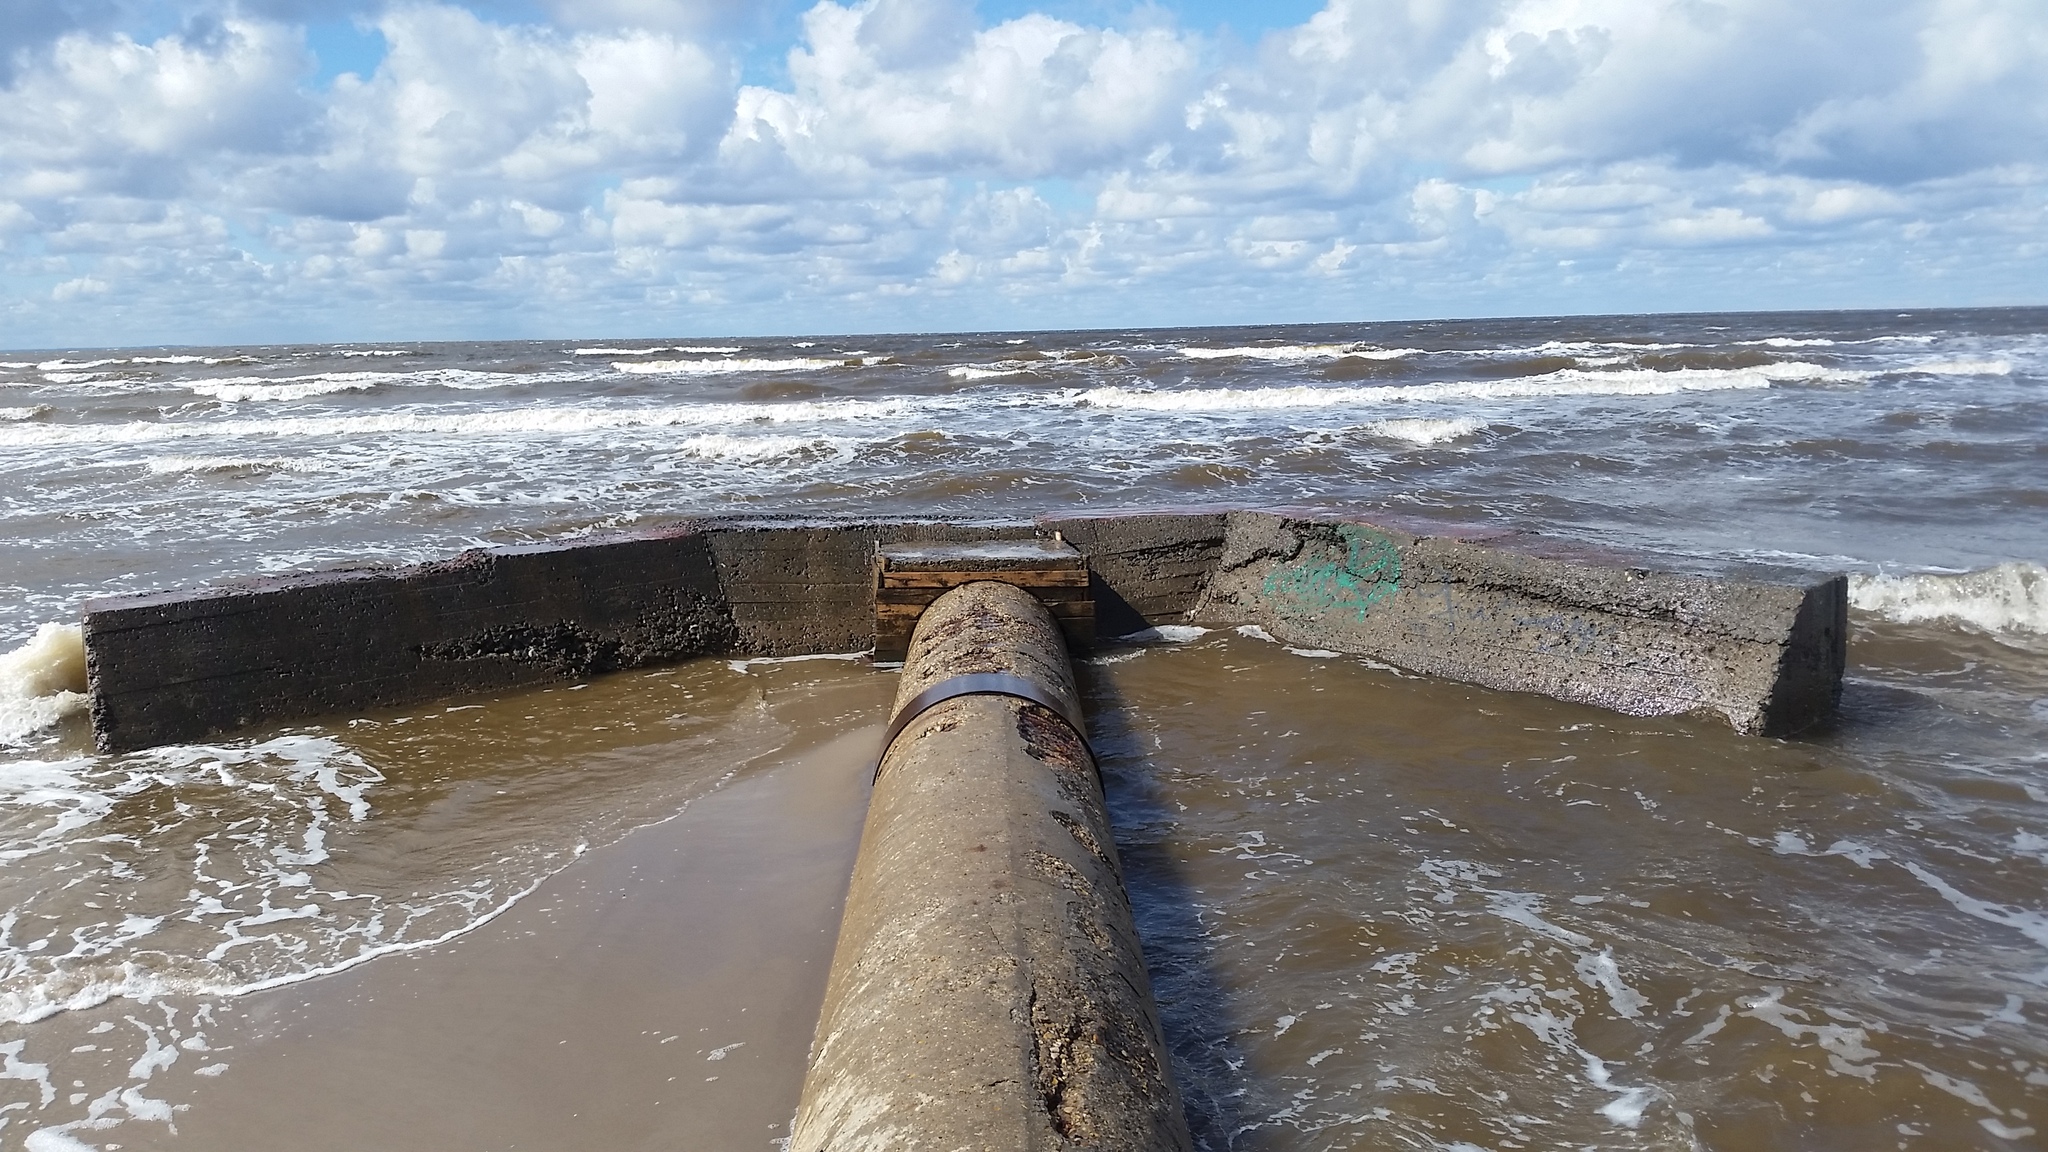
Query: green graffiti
x=1369 y=573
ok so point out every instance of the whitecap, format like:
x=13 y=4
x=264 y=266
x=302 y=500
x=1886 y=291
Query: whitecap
x=1298 y=353
x=1962 y=367
x=754 y=449
x=1426 y=432
x=990 y=372
x=178 y=465
x=733 y=366
x=2009 y=598
x=8 y=415
x=1552 y=385
x=62 y=365
x=685 y=349
x=244 y=389
x=549 y=421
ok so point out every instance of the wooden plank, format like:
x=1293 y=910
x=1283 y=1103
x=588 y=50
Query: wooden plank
x=1022 y=578
x=885 y=610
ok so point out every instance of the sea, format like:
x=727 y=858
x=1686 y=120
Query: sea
x=1380 y=911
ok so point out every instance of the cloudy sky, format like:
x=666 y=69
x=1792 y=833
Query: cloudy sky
x=276 y=170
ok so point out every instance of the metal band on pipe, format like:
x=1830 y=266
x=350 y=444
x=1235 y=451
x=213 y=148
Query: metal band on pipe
x=979 y=684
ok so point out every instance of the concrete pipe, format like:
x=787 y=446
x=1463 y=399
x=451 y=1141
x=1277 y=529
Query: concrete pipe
x=987 y=991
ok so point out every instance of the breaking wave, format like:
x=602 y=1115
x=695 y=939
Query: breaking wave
x=225 y=465
x=243 y=388
x=234 y=389
x=687 y=350
x=1568 y=382
x=2009 y=598
x=42 y=682
x=733 y=366
x=1963 y=367
x=1296 y=353
x=503 y=422
x=1426 y=432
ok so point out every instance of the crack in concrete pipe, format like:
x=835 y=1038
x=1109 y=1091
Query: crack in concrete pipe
x=987 y=991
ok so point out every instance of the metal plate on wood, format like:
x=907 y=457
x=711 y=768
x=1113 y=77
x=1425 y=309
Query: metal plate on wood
x=908 y=577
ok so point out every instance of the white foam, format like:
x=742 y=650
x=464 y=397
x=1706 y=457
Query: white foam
x=42 y=682
x=73 y=377
x=1164 y=634
x=236 y=391
x=2010 y=598
x=8 y=415
x=55 y=1140
x=1298 y=353
x=351 y=353
x=722 y=447
x=177 y=465
x=2027 y=922
x=1789 y=342
x=241 y=388
x=685 y=349
x=62 y=365
x=971 y=372
x=549 y=421
x=734 y=366
x=745 y=667
x=1426 y=432
x=1566 y=383
x=195 y=360
x=1962 y=367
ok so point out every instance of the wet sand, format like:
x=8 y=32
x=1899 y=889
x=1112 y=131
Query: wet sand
x=658 y=993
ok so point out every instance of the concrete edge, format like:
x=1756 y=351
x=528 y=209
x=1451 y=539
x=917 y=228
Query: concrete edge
x=1760 y=649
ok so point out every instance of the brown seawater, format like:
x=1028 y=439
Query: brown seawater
x=1381 y=911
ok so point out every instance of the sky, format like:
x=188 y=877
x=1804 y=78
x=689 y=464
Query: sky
x=266 y=171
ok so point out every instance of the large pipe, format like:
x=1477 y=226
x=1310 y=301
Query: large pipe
x=987 y=991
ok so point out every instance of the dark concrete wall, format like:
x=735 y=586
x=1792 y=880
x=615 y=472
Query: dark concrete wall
x=182 y=666
x=1517 y=611
x=1149 y=567
x=804 y=586
x=1508 y=610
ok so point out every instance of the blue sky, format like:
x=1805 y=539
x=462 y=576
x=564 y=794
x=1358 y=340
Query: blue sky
x=279 y=170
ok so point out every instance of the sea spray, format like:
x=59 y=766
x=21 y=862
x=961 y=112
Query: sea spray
x=42 y=682
x=2005 y=600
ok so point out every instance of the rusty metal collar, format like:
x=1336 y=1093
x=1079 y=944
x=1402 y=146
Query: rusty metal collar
x=980 y=684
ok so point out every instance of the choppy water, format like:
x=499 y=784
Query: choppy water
x=1383 y=911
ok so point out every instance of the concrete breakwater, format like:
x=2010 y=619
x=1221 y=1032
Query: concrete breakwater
x=1761 y=649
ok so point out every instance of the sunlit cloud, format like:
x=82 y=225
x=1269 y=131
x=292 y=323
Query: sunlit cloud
x=635 y=166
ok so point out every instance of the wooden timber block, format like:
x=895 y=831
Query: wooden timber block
x=908 y=577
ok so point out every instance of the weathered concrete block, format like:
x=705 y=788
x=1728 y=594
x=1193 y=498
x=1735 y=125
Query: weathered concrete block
x=186 y=665
x=1149 y=567
x=803 y=586
x=1763 y=651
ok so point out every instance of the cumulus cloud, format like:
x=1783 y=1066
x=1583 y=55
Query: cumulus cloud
x=915 y=165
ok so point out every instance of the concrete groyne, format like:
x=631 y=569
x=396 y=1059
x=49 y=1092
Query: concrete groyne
x=987 y=990
x=1761 y=649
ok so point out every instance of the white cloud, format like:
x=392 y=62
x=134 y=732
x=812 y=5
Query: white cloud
x=916 y=167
